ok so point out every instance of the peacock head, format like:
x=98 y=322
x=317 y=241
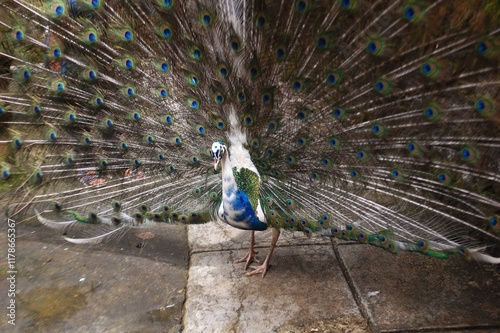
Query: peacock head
x=217 y=152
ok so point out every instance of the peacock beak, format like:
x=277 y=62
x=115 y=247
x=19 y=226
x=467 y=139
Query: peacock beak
x=216 y=162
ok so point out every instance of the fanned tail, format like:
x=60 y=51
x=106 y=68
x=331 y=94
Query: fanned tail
x=375 y=122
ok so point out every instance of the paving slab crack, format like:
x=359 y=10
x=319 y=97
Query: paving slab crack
x=352 y=287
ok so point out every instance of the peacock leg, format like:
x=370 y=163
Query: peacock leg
x=250 y=256
x=263 y=268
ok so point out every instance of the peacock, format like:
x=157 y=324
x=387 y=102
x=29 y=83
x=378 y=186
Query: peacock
x=369 y=121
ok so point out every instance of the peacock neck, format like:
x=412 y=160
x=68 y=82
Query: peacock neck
x=227 y=172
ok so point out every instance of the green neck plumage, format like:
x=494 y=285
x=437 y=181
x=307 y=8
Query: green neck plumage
x=248 y=182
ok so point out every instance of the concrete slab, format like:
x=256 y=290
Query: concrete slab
x=114 y=287
x=217 y=236
x=409 y=291
x=123 y=287
x=304 y=285
x=339 y=325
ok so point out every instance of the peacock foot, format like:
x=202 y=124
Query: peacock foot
x=249 y=258
x=262 y=269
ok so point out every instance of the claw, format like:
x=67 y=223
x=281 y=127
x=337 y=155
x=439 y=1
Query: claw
x=248 y=258
x=262 y=269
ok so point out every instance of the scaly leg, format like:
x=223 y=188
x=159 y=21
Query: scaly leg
x=250 y=257
x=263 y=268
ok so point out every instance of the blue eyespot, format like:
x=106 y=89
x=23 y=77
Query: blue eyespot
x=301 y=6
x=321 y=42
x=280 y=53
x=480 y=105
x=372 y=47
x=482 y=47
x=331 y=79
x=426 y=68
x=410 y=12
x=253 y=73
x=59 y=10
x=345 y=3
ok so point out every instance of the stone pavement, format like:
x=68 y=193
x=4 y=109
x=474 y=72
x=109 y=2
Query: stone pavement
x=184 y=280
